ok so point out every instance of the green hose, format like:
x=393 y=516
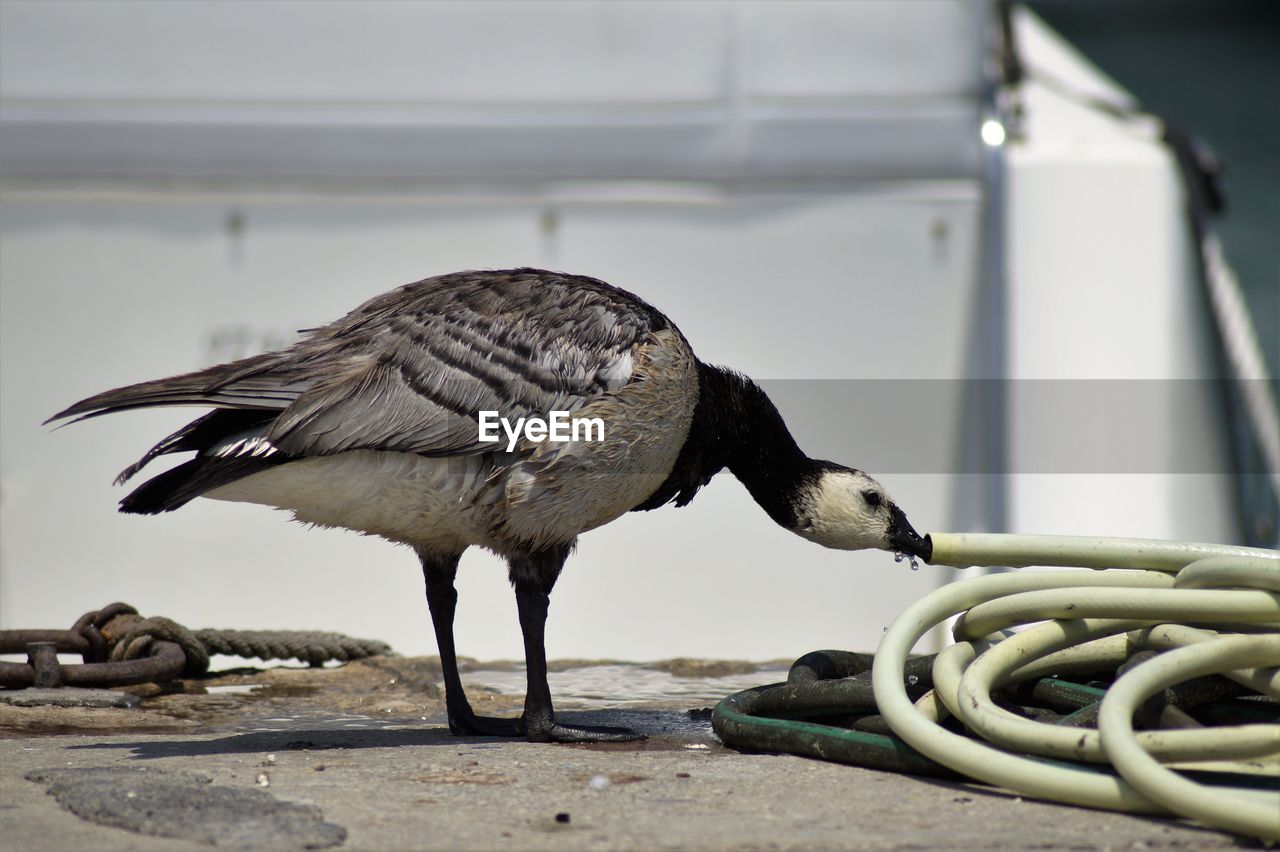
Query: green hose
x=1087 y=605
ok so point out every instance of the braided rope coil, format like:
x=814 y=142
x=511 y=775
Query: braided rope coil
x=311 y=647
x=131 y=636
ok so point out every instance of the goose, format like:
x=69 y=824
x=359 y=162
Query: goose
x=372 y=424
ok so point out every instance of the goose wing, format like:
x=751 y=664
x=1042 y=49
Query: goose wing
x=410 y=370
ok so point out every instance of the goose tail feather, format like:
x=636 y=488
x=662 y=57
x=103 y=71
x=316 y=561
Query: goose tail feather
x=240 y=384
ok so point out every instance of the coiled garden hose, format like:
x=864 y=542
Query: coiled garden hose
x=1203 y=621
x=1088 y=605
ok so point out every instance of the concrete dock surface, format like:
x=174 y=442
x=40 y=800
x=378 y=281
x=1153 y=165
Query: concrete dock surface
x=359 y=757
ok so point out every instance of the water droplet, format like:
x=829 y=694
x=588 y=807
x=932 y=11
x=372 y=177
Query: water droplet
x=899 y=556
x=912 y=680
x=599 y=783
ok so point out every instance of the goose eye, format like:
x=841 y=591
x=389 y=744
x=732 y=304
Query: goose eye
x=872 y=498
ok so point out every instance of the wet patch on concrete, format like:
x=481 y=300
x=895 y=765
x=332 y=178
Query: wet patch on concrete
x=44 y=721
x=68 y=696
x=389 y=693
x=689 y=667
x=187 y=806
x=379 y=689
x=599 y=685
x=70 y=710
x=266 y=742
x=664 y=730
x=371 y=693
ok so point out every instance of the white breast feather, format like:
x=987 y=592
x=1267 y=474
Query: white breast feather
x=399 y=496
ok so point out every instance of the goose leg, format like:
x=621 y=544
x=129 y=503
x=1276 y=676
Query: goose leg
x=442 y=598
x=533 y=576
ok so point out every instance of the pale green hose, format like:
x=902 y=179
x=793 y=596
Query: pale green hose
x=1224 y=571
x=1105 y=654
x=948 y=670
x=1111 y=593
x=1056 y=782
x=1244 y=811
x=1166 y=637
x=1152 y=605
x=966 y=550
x=976 y=709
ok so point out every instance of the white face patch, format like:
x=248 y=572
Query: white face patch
x=845 y=510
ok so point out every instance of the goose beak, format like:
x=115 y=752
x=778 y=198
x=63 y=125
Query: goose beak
x=904 y=539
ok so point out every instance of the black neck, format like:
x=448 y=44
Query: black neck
x=758 y=447
x=736 y=425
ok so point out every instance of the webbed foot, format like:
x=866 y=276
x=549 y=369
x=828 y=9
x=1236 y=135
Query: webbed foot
x=470 y=725
x=554 y=732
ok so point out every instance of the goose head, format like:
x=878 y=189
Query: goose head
x=846 y=509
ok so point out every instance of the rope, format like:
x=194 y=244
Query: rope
x=313 y=648
x=130 y=637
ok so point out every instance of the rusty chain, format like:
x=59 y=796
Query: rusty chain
x=90 y=637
